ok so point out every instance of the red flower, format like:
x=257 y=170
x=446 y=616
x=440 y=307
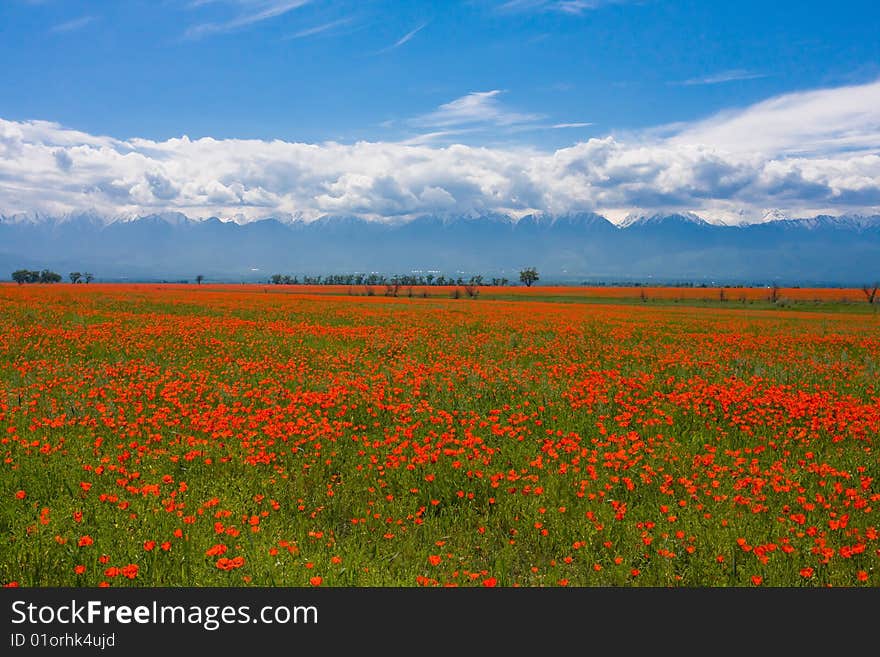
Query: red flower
x=224 y=563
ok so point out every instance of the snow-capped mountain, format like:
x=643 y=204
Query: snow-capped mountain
x=575 y=246
x=659 y=219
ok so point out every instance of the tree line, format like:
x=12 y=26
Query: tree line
x=379 y=279
x=21 y=276
x=527 y=276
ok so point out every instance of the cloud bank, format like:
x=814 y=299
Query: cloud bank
x=812 y=151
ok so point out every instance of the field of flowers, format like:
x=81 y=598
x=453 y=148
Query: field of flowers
x=157 y=435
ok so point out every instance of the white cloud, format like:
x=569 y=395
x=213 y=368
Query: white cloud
x=577 y=6
x=522 y=5
x=812 y=150
x=321 y=29
x=832 y=120
x=258 y=11
x=405 y=38
x=72 y=25
x=732 y=75
x=558 y=126
x=473 y=108
x=572 y=7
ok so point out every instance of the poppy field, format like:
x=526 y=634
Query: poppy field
x=182 y=435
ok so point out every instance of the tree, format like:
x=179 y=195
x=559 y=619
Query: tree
x=75 y=277
x=871 y=291
x=199 y=279
x=528 y=276
x=30 y=276
x=472 y=287
x=88 y=277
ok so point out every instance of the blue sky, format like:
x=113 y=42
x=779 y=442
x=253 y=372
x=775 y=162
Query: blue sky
x=511 y=76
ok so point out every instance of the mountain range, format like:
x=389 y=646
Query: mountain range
x=567 y=248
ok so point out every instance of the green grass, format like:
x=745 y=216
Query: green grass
x=379 y=443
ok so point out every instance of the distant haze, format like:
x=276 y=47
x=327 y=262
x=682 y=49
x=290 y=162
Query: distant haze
x=566 y=248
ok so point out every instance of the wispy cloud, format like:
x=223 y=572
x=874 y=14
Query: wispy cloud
x=260 y=11
x=577 y=6
x=434 y=137
x=572 y=7
x=723 y=76
x=474 y=108
x=72 y=25
x=560 y=126
x=321 y=29
x=822 y=121
x=405 y=38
